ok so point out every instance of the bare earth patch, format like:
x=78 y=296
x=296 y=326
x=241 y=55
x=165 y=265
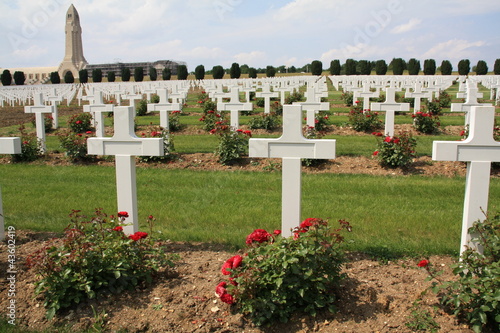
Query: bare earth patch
x=376 y=297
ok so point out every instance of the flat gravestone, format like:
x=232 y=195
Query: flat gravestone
x=291 y=147
x=125 y=145
x=478 y=150
x=7 y=146
x=39 y=109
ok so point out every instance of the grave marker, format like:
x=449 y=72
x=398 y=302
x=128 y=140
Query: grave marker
x=291 y=147
x=390 y=107
x=7 y=146
x=97 y=108
x=125 y=145
x=478 y=150
x=418 y=94
x=163 y=107
x=54 y=99
x=235 y=106
x=312 y=105
x=39 y=109
x=267 y=94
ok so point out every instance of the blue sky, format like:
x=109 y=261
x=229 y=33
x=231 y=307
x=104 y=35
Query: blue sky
x=253 y=32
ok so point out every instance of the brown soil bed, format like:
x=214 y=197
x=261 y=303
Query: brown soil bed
x=375 y=297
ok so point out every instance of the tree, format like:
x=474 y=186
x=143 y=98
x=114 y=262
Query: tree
x=153 y=75
x=244 y=69
x=335 y=67
x=292 y=69
x=68 y=77
x=446 y=67
x=350 y=67
x=182 y=72
x=252 y=73
x=97 y=75
x=166 y=74
x=481 y=68
x=235 y=71
x=138 y=74
x=19 y=78
x=413 y=66
x=316 y=67
x=83 y=74
x=111 y=76
x=364 y=67
x=126 y=74
x=429 y=67
x=270 y=71
x=6 y=78
x=398 y=66
x=218 y=72
x=496 y=67
x=380 y=67
x=55 y=78
x=464 y=67
x=199 y=72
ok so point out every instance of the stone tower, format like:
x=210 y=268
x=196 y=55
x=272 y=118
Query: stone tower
x=74 y=60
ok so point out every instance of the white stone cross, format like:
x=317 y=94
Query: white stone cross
x=312 y=105
x=267 y=94
x=163 y=107
x=125 y=145
x=366 y=93
x=390 y=107
x=132 y=98
x=472 y=95
x=54 y=99
x=97 y=108
x=418 y=94
x=291 y=147
x=7 y=146
x=478 y=150
x=39 y=109
x=235 y=106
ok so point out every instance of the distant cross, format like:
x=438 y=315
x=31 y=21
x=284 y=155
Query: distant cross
x=478 y=150
x=39 y=109
x=267 y=94
x=291 y=147
x=125 y=145
x=7 y=146
x=54 y=100
x=312 y=105
x=235 y=106
x=418 y=94
x=132 y=98
x=97 y=108
x=366 y=94
x=471 y=100
x=390 y=107
x=163 y=107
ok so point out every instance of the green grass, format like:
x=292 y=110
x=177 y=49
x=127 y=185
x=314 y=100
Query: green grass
x=404 y=215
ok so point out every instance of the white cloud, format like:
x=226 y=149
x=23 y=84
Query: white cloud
x=412 y=24
x=455 y=49
x=358 y=52
x=33 y=52
x=250 y=57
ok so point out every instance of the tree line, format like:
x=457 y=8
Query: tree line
x=351 y=67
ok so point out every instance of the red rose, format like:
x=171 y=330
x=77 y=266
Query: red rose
x=134 y=237
x=122 y=214
x=138 y=235
x=150 y=217
x=375 y=153
x=231 y=263
x=118 y=228
x=396 y=141
x=227 y=298
x=78 y=122
x=259 y=236
x=423 y=263
x=277 y=232
x=308 y=223
x=387 y=139
x=88 y=132
x=221 y=289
